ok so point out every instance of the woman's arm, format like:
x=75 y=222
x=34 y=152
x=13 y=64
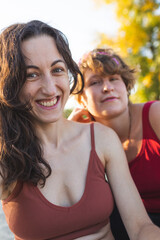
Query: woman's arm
x=129 y=203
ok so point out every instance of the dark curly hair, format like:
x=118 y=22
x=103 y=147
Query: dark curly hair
x=20 y=149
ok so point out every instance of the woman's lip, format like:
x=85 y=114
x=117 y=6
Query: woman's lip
x=47 y=99
x=109 y=99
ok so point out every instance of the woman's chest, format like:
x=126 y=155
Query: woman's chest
x=132 y=148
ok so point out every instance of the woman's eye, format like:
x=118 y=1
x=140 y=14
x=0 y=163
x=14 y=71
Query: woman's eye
x=113 y=79
x=58 y=70
x=95 y=82
x=31 y=75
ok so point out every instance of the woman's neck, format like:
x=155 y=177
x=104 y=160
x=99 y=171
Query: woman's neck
x=121 y=124
x=51 y=133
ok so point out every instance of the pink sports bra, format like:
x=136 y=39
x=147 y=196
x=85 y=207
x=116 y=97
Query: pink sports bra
x=31 y=216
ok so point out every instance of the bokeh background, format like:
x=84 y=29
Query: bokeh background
x=130 y=27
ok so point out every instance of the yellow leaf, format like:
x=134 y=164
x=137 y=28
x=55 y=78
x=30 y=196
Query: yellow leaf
x=147 y=80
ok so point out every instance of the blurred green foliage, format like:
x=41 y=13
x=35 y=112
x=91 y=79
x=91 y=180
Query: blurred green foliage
x=67 y=112
x=138 y=42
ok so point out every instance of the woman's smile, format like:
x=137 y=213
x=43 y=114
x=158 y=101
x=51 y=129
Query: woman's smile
x=49 y=104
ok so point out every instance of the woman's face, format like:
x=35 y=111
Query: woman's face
x=106 y=96
x=47 y=83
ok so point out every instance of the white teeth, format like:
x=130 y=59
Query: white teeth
x=55 y=101
x=50 y=103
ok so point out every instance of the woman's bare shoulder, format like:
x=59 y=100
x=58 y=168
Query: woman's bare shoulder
x=154 y=114
x=104 y=131
x=106 y=139
x=155 y=106
x=155 y=109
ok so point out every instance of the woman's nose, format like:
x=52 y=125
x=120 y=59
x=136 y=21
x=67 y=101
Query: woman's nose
x=107 y=86
x=49 y=85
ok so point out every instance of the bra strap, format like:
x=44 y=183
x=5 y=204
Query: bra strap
x=145 y=118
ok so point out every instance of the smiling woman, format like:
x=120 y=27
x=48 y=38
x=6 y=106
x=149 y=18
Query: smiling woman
x=47 y=81
x=53 y=169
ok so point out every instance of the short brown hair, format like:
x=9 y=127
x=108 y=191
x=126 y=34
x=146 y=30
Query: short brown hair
x=106 y=62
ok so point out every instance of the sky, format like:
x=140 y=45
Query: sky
x=79 y=20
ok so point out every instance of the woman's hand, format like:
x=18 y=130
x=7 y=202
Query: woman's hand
x=80 y=115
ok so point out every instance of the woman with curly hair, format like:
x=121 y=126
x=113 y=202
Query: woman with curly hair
x=52 y=170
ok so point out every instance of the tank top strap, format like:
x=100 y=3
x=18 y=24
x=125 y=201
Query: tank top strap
x=92 y=136
x=145 y=118
x=146 y=108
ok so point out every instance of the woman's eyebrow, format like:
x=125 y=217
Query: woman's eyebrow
x=54 y=63
x=32 y=66
x=57 y=61
x=93 y=77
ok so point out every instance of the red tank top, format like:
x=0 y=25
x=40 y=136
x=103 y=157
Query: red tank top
x=145 y=168
x=31 y=216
